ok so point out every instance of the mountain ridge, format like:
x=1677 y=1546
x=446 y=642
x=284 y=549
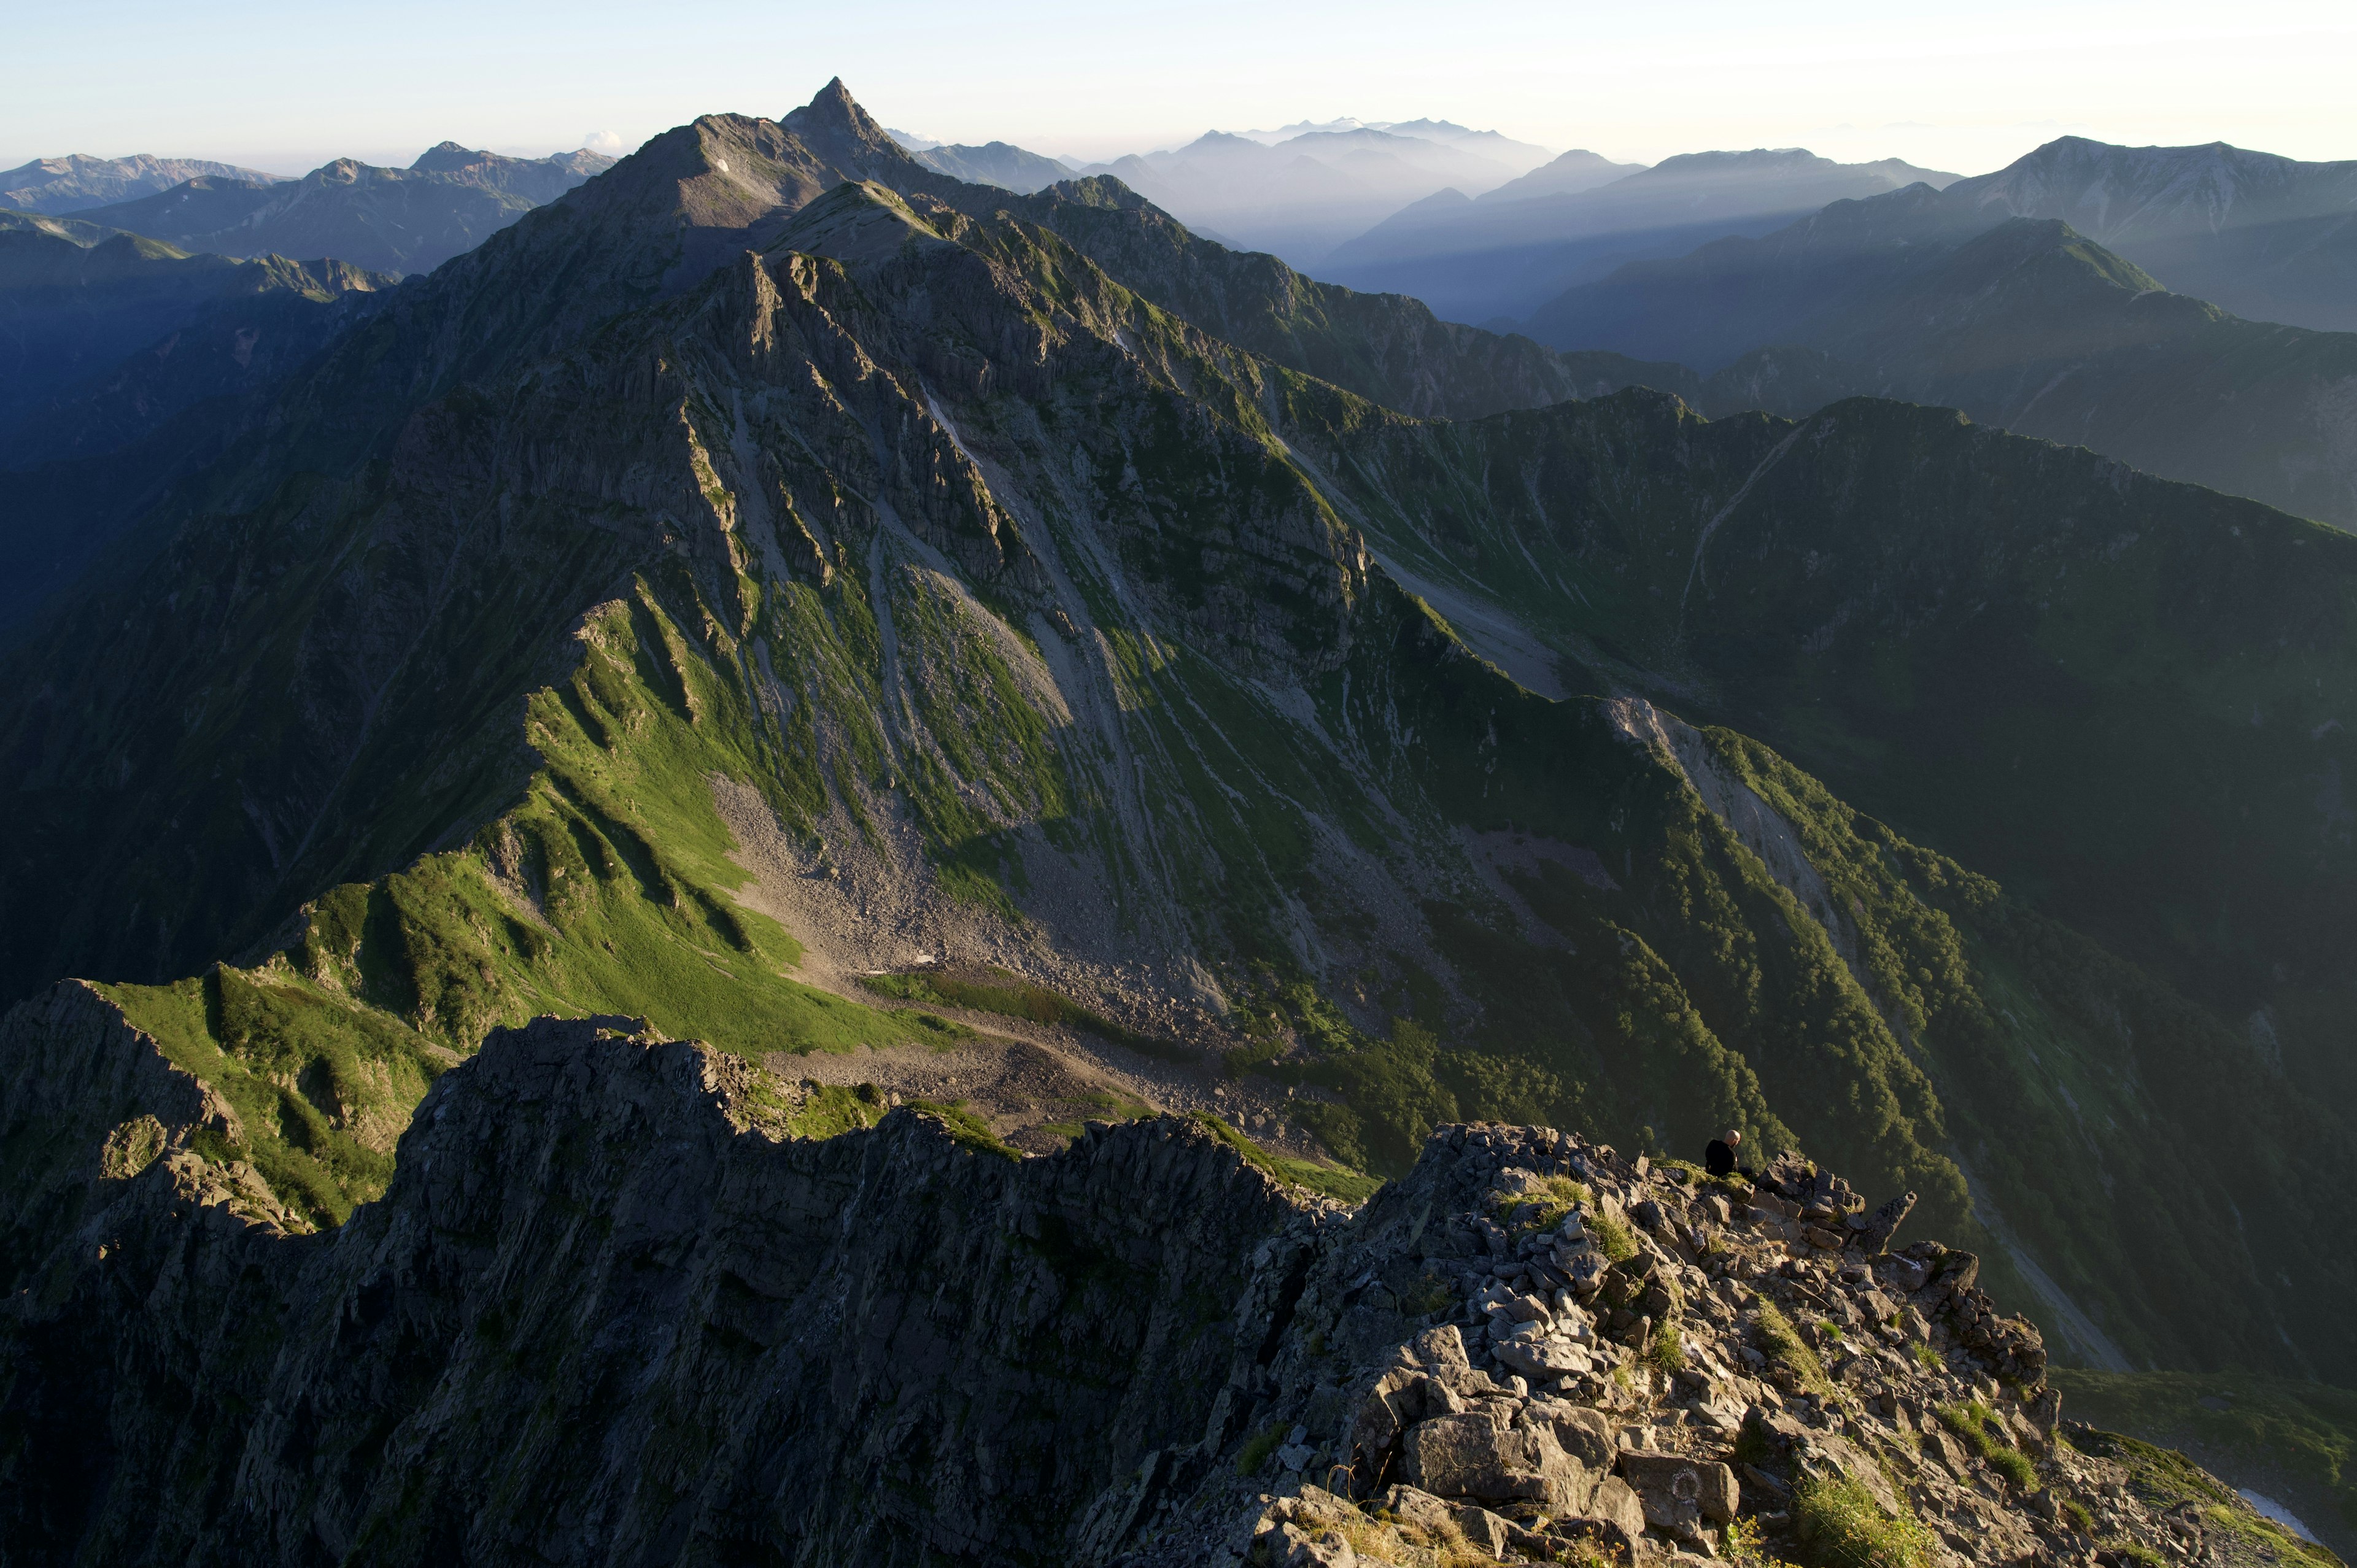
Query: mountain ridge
x=393 y=220
x=76 y=182
x=1008 y=597
x=2026 y=324
x=1503 y=258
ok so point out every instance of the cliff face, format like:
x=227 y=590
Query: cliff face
x=604 y=1315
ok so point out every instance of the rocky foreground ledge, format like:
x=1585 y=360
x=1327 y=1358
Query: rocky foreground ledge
x=604 y=1315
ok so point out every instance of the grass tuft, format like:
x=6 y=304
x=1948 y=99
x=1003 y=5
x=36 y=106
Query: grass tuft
x=1971 y=1423
x=1666 y=1350
x=1841 y=1526
x=1613 y=1237
x=966 y=1129
x=1338 y=1181
x=1787 y=1350
x=1257 y=1448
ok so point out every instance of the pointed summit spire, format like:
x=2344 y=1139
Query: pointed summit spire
x=837 y=129
x=835 y=113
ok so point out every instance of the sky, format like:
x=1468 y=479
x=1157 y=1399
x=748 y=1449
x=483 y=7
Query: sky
x=284 y=86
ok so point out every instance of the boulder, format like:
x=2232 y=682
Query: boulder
x=1485 y=1529
x=1443 y=1349
x=1874 y=1235
x=1395 y=1402
x=1582 y=1432
x=1473 y=1455
x=1616 y=1503
x=1413 y=1505
x=1675 y=1489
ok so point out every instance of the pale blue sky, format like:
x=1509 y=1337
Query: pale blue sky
x=1966 y=87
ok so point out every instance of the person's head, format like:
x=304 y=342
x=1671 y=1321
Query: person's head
x=1733 y=1139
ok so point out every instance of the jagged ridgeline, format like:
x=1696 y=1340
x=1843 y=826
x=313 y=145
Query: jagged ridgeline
x=610 y=1310
x=774 y=542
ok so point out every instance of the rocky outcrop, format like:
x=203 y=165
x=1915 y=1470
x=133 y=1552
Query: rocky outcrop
x=605 y=1315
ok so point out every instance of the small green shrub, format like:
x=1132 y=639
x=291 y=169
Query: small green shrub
x=828 y=1109
x=1667 y=1351
x=2082 y=1518
x=2016 y=1467
x=1743 y=1544
x=1542 y=1210
x=1927 y=1358
x=1841 y=1526
x=1257 y=1448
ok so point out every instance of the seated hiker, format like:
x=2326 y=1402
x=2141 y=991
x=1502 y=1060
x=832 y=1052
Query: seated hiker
x=1719 y=1158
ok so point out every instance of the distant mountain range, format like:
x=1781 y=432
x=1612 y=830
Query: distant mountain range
x=1299 y=192
x=2023 y=322
x=109 y=339
x=76 y=182
x=1489 y=145
x=2268 y=238
x=74 y=305
x=994 y=162
x=1478 y=257
x=385 y=220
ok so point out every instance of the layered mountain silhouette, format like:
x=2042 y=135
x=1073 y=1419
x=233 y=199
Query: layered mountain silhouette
x=386 y=220
x=113 y=341
x=778 y=562
x=1300 y=192
x=76 y=307
x=2268 y=238
x=1518 y=245
x=2028 y=324
x=77 y=182
x=1001 y=163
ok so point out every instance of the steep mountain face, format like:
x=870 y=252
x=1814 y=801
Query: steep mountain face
x=1001 y=163
x=1505 y=258
x=776 y=562
x=116 y=342
x=75 y=183
x=2111 y=703
x=2269 y=237
x=106 y=340
x=613 y=1310
x=392 y=220
x=2027 y=325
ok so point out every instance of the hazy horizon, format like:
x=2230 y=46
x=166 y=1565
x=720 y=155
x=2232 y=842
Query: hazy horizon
x=284 y=92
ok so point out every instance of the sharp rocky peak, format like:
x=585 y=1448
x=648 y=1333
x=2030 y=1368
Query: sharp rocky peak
x=445 y=155
x=833 y=124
